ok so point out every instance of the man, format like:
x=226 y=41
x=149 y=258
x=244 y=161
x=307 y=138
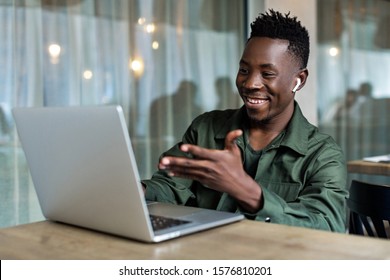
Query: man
x=264 y=160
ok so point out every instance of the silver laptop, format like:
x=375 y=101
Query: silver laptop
x=84 y=171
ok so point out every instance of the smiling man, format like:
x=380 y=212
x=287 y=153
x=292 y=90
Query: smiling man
x=265 y=159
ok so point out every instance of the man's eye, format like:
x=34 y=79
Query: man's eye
x=268 y=74
x=243 y=71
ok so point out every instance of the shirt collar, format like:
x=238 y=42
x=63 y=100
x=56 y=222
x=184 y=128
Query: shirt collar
x=234 y=122
x=296 y=134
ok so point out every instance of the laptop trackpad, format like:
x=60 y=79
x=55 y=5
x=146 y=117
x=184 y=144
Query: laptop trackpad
x=171 y=210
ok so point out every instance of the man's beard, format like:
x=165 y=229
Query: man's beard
x=258 y=122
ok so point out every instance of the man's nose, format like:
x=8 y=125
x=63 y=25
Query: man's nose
x=253 y=82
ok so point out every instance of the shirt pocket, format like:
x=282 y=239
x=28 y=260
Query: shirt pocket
x=288 y=191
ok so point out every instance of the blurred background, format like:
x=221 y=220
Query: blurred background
x=166 y=61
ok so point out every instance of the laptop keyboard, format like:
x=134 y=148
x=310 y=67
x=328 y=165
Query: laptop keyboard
x=159 y=222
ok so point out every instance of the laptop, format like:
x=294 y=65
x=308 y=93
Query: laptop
x=84 y=172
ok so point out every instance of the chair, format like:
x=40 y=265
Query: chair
x=369 y=206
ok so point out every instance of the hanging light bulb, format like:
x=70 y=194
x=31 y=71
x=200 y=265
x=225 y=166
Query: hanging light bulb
x=54 y=53
x=333 y=51
x=137 y=66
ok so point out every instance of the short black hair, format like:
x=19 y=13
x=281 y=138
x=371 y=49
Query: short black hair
x=275 y=25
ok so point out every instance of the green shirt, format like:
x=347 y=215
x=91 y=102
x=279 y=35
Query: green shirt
x=302 y=173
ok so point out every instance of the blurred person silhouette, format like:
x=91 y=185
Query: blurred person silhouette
x=341 y=107
x=228 y=97
x=171 y=114
x=364 y=94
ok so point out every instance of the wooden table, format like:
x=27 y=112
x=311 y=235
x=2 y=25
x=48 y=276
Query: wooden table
x=240 y=241
x=367 y=167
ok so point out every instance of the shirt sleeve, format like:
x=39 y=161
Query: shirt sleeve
x=164 y=188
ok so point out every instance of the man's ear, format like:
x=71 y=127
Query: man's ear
x=301 y=80
x=294 y=90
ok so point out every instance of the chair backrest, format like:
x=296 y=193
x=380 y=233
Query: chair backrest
x=369 y=206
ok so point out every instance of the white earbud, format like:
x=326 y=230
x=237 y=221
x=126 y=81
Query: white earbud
x=294 y=90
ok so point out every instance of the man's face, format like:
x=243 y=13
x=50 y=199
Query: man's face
x=265 y=79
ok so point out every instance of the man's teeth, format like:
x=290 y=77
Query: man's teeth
x=255 y=101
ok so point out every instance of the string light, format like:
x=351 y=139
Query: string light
x=137 y=66
x=333 y=51
x=87 y=74
x=155 y=45
x=150 y=28
x=54 y=52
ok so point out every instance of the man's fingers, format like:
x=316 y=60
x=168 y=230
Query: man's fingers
x=184 y=167
x=231 y=137
x=201 y=155
x=196 y=151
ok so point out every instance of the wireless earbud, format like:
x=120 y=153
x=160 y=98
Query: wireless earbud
x=294 y=90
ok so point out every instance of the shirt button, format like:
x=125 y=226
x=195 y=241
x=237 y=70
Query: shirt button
x=268 y=220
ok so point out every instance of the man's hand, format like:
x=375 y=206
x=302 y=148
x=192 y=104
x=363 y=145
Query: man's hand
x=220 y=170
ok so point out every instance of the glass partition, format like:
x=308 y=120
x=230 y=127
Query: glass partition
x=163 y=61
x=353 y=69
